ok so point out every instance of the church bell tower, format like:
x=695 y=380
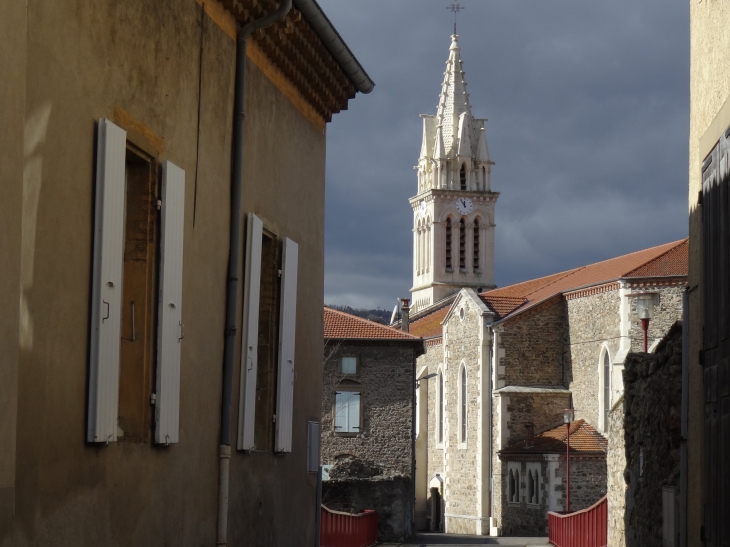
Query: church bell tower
x=453 y=210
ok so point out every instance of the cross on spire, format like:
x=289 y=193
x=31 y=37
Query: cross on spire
x=455 y=7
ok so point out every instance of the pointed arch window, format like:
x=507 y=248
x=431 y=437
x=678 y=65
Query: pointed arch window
x=476 y=244
x=441 y=408
x=606 y=389
x=462 y=176
x=463 y=404
x=462 y=244
x=448 y=244
x=484 y=178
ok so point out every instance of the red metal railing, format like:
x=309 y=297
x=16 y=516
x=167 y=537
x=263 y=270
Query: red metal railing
x=348 y=530
x=586 y=528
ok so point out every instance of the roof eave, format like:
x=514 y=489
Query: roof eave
x=334 y=43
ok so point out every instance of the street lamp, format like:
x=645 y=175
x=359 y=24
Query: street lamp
x=645 y=311
x=568 y=414
x=427 y=377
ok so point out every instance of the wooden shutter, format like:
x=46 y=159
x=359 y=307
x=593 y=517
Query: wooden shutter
x=169 y=329
x=353 y=413
x=287 y=339
x=716 y=342
x=250 y=333
x=106 y=291
x=341 y=401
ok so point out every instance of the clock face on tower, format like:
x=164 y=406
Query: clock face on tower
x=464 y=206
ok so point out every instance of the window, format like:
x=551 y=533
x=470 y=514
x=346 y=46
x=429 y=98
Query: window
x=138 y=248
x=484 y=178
x=462 y=245
x=268 y=349
x=533 y=486
x=448 y=244
x=463 y=404
x=441 y=408
x=514 y=486
x=606 y=389
x=349 y=365
x=476 y=244
x=347 y=412
x=462 y=177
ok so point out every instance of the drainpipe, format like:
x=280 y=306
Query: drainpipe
x=234 y=257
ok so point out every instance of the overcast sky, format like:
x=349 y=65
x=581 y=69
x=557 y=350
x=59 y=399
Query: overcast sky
x=588 y=109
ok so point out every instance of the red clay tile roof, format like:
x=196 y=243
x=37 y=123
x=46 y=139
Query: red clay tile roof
x=429 y=325
x=674 y=262
x=670 y=258
x=584 y=439
x=338 y=324
x=502 y=305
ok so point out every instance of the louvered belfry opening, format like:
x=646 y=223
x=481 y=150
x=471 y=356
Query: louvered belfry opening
x=137 y=351
x=462 y=177
x=716 y=339
x=462 y=245
x=267 y=342
x=476 y=244
x=448 y=244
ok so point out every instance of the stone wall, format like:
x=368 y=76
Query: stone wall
x=616 y=464
x=521 y=519
x=544 y=410
x=385 y=375
x=462 y=350
x=651 y=434
x=594 y=321
x=532 y=346
x=433 y=359
x=356 y=485
x=666 y=313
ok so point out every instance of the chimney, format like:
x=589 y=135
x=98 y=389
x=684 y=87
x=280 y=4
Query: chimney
x=405 y=311
x=529 y=434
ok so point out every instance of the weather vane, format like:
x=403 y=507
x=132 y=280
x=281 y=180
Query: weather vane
x=455 y=7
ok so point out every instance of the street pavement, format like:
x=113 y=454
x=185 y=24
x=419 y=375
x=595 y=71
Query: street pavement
x=428 y=540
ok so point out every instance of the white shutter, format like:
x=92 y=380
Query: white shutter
x=287 y=339
x=250 y=337
x=169 y=314
x=341 y=400
x=353 y=413
x=106 y=292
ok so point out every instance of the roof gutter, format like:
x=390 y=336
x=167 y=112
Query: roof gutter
x=334 y=43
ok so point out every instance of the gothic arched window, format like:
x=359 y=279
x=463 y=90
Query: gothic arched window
x=512 y=487
x=462 y=244
x=606 y=389
x=448 y=244
x=484 y=178
x=462 y=177
x=463 y=404
x=476 y=243
x=441 y=407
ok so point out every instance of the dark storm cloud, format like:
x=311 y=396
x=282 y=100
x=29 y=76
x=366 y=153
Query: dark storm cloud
x=588 y=121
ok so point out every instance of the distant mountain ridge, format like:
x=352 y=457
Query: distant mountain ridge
x=378 y=315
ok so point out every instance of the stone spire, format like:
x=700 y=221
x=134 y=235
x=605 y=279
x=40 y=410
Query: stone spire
x=454 y=100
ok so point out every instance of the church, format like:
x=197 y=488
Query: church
x=502 y=364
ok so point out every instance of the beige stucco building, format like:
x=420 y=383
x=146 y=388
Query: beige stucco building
x=124 y=416
x=707 y=423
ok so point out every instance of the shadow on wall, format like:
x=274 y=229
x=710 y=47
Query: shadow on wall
x=644 y=472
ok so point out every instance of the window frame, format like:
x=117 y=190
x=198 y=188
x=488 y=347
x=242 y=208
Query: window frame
x=463 y=417
x=351 y=388
x=357 y=366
